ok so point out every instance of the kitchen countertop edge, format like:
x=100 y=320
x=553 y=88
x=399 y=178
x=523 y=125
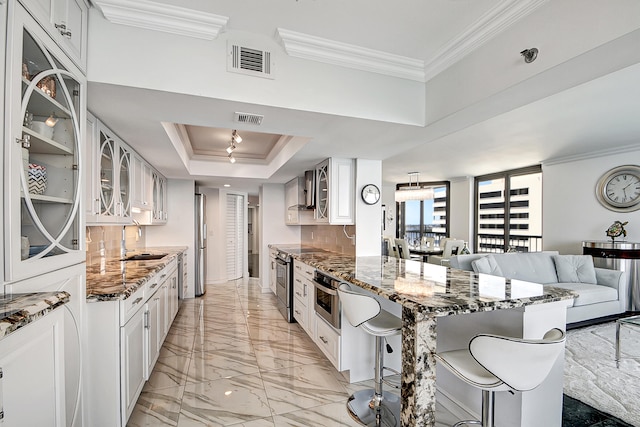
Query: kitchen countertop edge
x=19 y=310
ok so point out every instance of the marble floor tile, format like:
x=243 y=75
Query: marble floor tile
x=329 y=415
x=170 y=371
x=178 y=343
x=301 y=387
x=157 y=408
x=277 y=354
x=225 y=363
x=226 y=401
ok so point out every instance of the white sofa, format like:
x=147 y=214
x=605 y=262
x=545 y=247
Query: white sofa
x=602 y=292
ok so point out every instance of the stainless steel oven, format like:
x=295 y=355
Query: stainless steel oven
x=326 y=302
x=284 y=285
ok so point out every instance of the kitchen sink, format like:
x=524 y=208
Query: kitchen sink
x=144 y=257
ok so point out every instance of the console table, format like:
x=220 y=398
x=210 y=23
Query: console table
x=623 y=256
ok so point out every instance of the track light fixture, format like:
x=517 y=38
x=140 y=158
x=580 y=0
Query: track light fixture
x=230 y=148
x=235 y=137
x=231 y=158
x=530 y=55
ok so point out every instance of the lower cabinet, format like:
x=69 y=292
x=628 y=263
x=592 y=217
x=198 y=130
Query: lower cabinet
x=125 y=338
x=272 y=270
x=33 y=381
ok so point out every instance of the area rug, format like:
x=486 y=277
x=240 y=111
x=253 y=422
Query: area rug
x=591 y=375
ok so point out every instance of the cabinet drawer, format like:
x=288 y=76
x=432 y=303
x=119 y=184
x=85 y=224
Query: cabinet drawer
x=301 y=313
x=129 y=306
x=303 y=269
x=328 y=340
x=301 y=288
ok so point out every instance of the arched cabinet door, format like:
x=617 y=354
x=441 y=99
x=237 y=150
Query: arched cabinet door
x=42 y=178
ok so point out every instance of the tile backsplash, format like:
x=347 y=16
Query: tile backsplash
x=329 y=237
x=109 y=238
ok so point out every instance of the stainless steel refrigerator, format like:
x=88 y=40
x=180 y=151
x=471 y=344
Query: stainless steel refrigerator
x=201 y=243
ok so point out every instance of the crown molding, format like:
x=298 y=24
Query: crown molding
x=162 y=17
x=494 y=21
x=591 y=155
x=304 y=46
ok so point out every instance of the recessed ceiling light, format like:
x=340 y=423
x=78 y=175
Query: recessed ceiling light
x=227 y=185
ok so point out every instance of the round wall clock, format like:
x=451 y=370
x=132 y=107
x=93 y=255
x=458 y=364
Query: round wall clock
x=619 y=189
x=370 y=194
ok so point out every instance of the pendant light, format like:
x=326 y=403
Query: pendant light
x=415 y=192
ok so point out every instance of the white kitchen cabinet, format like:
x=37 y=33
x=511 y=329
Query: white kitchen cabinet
x=32 y=384
x=133 y=361
x=303 y=310
x=113 y=180
x=66 y=22
x=335 y=191
x=71 y=280
x=142 y=184
x=124 y=340
x=272 y=270
x=160 y=203
x=42 y=189
x=92 y=169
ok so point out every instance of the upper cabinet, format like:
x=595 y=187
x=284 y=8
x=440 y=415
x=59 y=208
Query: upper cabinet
x=294 y=197
x=110 y=178
x=66 y=22
x=335 y=191
x=159 y=213
x=44 y=118
x=142 y=194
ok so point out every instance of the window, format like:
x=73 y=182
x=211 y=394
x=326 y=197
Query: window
x=427 y=217
x=508 y=214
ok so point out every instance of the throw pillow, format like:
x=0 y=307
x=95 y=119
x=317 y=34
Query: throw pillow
x=487 y=265
x=575 y=269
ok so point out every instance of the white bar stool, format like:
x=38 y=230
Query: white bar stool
x=496 y=363
x=372 y=407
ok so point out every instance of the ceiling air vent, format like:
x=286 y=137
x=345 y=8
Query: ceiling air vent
x=254 y=119
x=250 y=61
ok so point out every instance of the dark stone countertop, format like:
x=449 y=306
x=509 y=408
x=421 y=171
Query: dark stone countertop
x=110 y=279
x=18 y=310
x=427 y=288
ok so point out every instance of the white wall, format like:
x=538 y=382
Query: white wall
x=571 y=212
x=368 y=217
x=389 y=200
x=461 y=210
x=272 y=226
x=179 y=229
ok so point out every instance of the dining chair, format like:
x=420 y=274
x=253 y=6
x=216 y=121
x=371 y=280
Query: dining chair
x=403 y=249
x=428 y=242
x=452 y=247
x=389 y=247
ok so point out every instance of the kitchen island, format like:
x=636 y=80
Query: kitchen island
x=442 y=308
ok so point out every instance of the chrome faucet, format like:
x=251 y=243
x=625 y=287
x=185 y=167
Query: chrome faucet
x=123 y=242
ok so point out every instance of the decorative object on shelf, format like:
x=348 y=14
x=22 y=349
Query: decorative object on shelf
x=37 y=178
x=370 y=194
x=415 y=192
x=25 y=71
x=619 y=189
x=465 y=249
x=42 y=128
x=51 y=120
x=48 y=86
x=616 y=230
x=512 y=249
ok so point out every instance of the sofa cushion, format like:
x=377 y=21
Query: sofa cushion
x=463 y=262
x=589 y=294
x=575 y=269
x=536 y=267
x=486 y=265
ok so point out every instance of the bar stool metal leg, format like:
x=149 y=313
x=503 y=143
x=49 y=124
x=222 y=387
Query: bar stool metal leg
x=375 y=407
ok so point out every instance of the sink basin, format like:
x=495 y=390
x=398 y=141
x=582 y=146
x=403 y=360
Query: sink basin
x=144 y=257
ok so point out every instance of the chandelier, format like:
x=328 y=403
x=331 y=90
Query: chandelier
x=413 y=192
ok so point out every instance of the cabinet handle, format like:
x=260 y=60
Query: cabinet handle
x=163 y=276
x=1 y=395
x=63 y=30
x=298 y=293
x=298 y=280
x=298 y=313
x=137 y=301
x=304 y=291
x=298 y=267
x=323 y=339
x=154 y=285
x=146 y=320
x=25 y=141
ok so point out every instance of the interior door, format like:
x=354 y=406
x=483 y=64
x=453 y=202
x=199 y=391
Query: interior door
x=235 y=219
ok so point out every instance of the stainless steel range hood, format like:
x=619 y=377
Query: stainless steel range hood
x=310 y=189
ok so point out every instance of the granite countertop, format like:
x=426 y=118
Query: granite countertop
x=428 y=288
x=18 y=310
x=109 y=279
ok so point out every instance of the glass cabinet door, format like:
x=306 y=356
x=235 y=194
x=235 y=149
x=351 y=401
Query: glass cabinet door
x=322 y=195
x=124 y=182
x=107 y=169
x=42 y=193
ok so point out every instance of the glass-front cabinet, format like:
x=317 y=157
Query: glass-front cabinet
x=159 y=199
x=109 y=177
x=322 y=191
x=45 y=104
